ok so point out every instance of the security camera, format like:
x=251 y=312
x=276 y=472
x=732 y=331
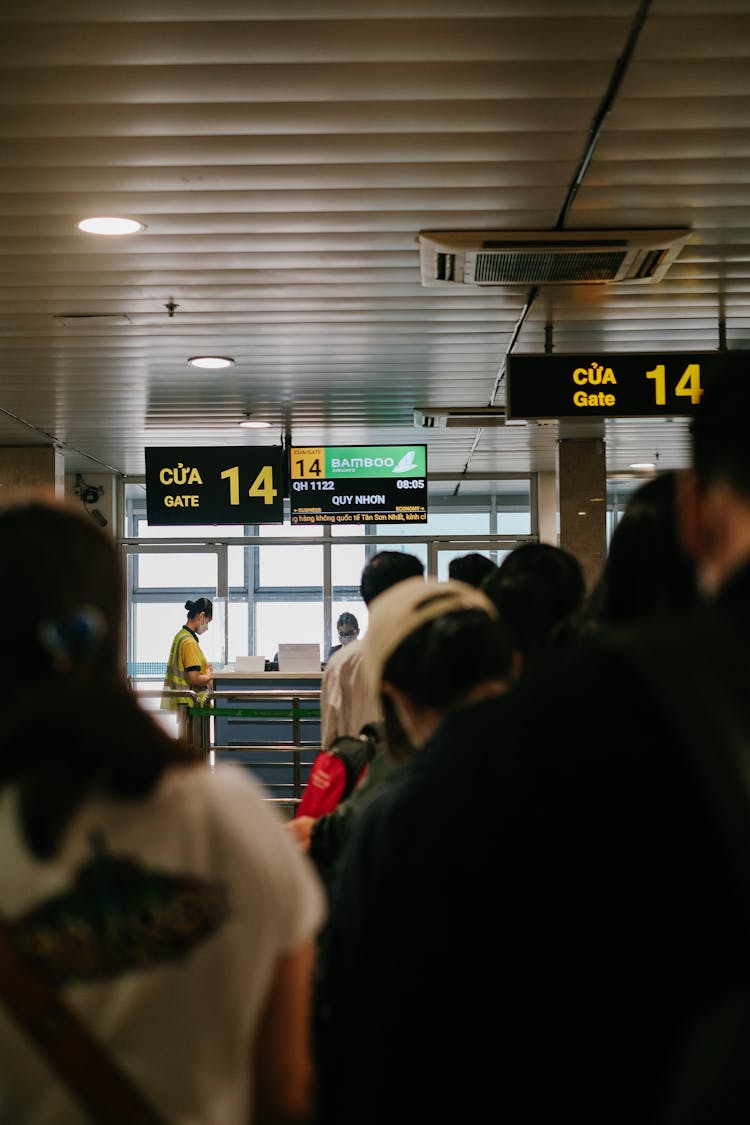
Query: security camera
x=90 y=495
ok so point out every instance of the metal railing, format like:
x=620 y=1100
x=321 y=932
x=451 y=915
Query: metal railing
x=195 y=722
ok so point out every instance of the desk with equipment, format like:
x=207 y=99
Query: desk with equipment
x=270 y=723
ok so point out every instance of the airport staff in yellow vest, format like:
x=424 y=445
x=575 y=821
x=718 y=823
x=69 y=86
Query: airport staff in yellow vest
x=187 y=668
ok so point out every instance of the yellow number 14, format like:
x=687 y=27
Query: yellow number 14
x=262 y=485
x=688 y=386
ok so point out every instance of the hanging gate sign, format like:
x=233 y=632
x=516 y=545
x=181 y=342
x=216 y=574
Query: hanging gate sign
x=214 y=485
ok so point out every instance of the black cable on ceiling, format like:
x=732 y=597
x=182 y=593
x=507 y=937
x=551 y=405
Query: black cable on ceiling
x=605 y=106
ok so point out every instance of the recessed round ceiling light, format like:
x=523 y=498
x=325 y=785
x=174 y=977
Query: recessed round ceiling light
x=211 y=361
x=108 y=224
x=252 y=424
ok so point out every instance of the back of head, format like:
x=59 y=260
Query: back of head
x=67 y=572
x=720 y=448
x=435 y=641
x=647 y=574
x=200 y=605
x=472 y=568
x=71 y=726
x=536 y=589
x=384 y=570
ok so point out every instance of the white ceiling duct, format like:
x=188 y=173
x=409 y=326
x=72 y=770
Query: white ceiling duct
x=582 y=257
x=455 y=417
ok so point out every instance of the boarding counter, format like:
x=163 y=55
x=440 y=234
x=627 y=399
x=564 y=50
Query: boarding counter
x=270 y=723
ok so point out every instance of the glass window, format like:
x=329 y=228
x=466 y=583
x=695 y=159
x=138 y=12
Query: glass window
x=287 y=622
x=443 y=522
x=177 y=570
x=239 y=629
x=286 y=565
x=200 y=533
x=346 y=564
x=236 y=566
x=444 y=558
x=156 y=624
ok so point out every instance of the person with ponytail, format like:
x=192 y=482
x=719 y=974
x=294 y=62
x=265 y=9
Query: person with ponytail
x=164 y=901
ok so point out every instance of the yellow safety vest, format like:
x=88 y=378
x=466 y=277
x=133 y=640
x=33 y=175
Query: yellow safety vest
x=175 y=678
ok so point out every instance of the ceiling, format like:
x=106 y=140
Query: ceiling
x=284 y=156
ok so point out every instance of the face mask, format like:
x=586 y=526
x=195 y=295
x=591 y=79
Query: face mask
x=202 y=629
x=347 y=638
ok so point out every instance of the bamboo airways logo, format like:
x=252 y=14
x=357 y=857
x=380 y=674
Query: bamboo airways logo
x=407 y=464
x=376 y=461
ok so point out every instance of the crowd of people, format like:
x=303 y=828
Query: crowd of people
x=534 y=901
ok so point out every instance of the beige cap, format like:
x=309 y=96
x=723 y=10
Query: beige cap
x=400 y=611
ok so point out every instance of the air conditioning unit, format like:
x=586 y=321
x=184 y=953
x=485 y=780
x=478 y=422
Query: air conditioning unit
x=591 y=257
x=458 y=417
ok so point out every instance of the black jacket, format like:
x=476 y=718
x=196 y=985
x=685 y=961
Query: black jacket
x=540 y=908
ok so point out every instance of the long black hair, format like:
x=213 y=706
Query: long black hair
x=71 y=726
x=647 y=574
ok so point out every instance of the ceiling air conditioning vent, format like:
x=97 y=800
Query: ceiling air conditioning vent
x=486 y=258
x=459 y=417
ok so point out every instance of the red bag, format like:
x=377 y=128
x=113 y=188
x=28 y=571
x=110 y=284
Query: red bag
x=335 y=772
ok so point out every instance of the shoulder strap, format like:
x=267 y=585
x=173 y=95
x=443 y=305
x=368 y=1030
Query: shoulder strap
x=355 y=751
x=99 y=1086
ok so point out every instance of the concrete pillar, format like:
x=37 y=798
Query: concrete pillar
x=547 y=499
x=583 y=502
x=32 y=467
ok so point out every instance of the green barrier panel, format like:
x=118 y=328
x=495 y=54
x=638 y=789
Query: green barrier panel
x=253 y=713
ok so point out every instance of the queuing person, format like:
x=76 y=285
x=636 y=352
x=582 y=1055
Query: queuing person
x=538 y=590
x=648 y=574
x=560 y=926
x=165 y=902
x=347 y=628
x=432 y=648
x=187 y=667
x=347 y=700
x=473 y=568
x=348 y=704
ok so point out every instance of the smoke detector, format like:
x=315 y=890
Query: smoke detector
x=584 y=257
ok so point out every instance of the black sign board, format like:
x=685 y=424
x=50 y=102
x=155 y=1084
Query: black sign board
x=628 y=385
x=358 y=484
x=214 y=485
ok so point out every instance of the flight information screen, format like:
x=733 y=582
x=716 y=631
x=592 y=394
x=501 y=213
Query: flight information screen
x=358 y=484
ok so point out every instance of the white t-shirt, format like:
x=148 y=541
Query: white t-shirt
x=347 y=698
x=201 y=889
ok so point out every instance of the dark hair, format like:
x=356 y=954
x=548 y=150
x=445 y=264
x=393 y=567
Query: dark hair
x=472 y=568
x=647 y=574
x=385 y=569
x=442 y=660
x=347 y=618
x=719 y=431
x=201 y=605
x=536 y=589
x=71 y=726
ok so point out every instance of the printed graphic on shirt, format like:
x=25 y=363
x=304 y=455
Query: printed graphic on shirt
x=118 y=917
